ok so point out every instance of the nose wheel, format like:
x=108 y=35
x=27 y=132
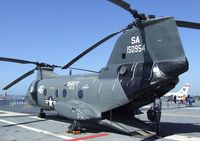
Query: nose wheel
x=42 y=114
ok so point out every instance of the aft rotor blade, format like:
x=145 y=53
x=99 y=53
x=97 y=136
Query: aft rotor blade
x=16 y=60
x=19 y=79
x=187 y=24
x=122 y=4
x=83 y=69
x=90 y=49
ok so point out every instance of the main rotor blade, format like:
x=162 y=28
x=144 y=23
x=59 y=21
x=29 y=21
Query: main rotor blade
x=19 y=79
x=187 y=24
x=122 y=4
x=83 y=69
x=90 y=49
x=17 y=60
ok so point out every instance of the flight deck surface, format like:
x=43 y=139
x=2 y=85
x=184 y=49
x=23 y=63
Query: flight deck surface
x=20 y=123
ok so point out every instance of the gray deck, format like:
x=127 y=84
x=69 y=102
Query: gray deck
x=20 y=123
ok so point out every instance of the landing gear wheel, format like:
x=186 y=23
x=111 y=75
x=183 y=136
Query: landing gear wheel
x=74 y=128
x=42 y=114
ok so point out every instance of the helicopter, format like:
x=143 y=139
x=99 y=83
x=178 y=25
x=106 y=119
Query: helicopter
x=142 y=66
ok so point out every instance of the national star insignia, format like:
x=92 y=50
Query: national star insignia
x=50 y=102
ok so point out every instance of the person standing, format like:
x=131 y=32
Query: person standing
x=175 y=99
x=157 y=106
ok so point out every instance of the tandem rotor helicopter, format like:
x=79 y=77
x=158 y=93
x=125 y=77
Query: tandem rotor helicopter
x=145 y=63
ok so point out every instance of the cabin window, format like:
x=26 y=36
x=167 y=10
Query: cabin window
x=80 y=94
x=64 y=93
x=56 y=93
x=45 y=92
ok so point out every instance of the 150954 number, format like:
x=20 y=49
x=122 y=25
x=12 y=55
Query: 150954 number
x=135 y=49
x=135 y=46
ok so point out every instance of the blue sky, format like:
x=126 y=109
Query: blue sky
x=56 y=31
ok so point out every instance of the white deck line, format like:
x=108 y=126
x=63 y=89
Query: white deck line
x=181 y=115
x=182 y=138
x=36 y=130
x=31 y=128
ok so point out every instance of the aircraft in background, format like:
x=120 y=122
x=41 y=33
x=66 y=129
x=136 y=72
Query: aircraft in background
x=3 y=96
x=180 y=94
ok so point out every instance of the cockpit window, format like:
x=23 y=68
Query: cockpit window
x=31 y=88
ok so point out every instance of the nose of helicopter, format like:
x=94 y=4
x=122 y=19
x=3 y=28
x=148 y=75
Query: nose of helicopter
x=31 y=95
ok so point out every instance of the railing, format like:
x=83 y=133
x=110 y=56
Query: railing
x=12 y=102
